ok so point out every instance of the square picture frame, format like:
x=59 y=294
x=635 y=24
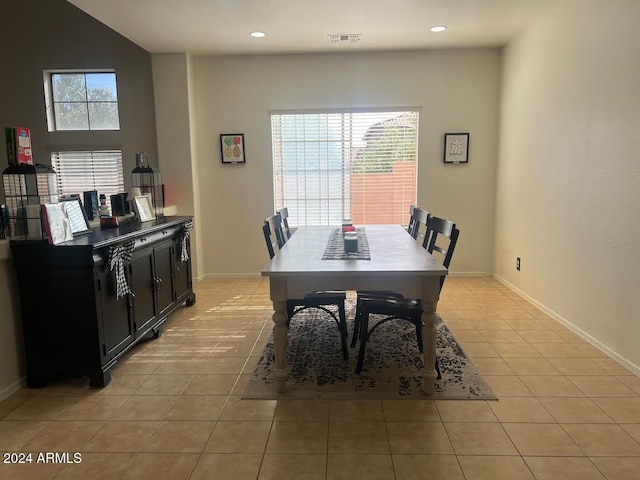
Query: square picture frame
x=456 y=148
x=232 y=148
x=143 y=208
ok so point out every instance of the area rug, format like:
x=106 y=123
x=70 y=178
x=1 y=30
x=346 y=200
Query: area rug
x=392 y=366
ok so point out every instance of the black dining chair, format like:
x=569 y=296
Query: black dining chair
x=284 y=216
x=418 y=230
x=418 y=222
x=411 y=219
x=274 y=238
x=442 y=239
x=410 y=225
x=420 y=226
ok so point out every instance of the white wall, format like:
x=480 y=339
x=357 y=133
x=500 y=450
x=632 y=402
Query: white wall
x=568 y=196
x=177 y=156
x=458 y=90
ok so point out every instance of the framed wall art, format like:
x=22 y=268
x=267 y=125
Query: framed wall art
x=232 y=148
x=456 y=148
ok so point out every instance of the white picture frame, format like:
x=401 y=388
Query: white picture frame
x=144 y=208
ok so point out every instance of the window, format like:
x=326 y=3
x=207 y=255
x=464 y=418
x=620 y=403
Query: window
x=89 y=170
x=358 y=165
x=81 y=101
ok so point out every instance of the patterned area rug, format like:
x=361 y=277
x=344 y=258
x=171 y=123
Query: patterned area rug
x=392 y=367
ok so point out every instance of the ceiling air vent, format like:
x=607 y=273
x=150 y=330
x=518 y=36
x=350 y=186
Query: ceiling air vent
x=342 y=38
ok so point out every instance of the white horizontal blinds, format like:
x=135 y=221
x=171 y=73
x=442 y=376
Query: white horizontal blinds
x=359 y=165
x=80 y=171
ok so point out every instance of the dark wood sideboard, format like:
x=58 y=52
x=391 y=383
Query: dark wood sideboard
x=73 y=322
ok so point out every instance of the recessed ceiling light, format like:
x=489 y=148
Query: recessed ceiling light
x=258 y=34
x=439 y=28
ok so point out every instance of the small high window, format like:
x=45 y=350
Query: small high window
x=81 y=101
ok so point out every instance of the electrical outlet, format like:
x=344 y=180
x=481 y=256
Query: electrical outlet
x=518 y=263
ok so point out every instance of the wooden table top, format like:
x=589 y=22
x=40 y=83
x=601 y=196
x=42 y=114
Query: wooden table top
x=393 y=252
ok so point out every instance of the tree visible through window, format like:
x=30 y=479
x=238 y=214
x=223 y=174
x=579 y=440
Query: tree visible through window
x=358 y=165
x=82 y=101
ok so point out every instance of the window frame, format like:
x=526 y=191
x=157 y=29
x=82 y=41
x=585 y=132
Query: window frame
x=350 y=168
x=50 y=103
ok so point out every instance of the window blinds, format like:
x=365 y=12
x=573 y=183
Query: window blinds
x=79 y=171
x=333 y=165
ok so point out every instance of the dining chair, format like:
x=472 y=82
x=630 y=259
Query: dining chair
x=274 y=239
x=443 y=237
x=284 y=215
x=410 y=226
x=421 y=221
x=418 y=222
x=411 y=209
x=418 y=230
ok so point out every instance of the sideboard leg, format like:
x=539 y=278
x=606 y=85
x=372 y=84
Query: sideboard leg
x=100 y=380
x=36 y=380
x=191 y=301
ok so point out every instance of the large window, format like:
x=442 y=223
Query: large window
x=358 y=165
x=81 y=101
x=81 y=171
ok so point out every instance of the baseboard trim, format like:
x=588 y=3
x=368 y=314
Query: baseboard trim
x=253 y=275
x=11 y=389
x=577 y=330
x=469 y=274
x=230 y=275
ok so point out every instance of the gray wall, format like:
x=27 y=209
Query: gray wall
x=40 y=35
x=53 y=34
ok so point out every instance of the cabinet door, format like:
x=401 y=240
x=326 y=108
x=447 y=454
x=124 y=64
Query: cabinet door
x=163 y=261
x=117 y=326
x=143 y=286
x=181 y=272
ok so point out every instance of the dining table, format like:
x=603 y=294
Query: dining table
x=395 y=262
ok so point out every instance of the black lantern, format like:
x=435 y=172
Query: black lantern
x=26 y=187
x=149 y=181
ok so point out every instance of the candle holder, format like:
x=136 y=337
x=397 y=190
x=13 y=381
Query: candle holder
x=351 y=242
x=149 y=181
x=26 y=187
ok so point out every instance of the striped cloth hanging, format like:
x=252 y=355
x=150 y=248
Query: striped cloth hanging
x=119 y=258
x=186 y=232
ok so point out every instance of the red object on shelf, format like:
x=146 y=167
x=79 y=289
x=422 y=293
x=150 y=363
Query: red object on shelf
x=23 y=146
x=349 y=228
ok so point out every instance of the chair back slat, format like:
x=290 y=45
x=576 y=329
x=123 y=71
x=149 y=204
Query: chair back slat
x=273 y=234
x=411 y=219
x=284 y=215
x=418 y=221
x=266 y=230
x=437 y=229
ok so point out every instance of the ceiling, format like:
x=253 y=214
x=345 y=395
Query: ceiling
x=222 y=27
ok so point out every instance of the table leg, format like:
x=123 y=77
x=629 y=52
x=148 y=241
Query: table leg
x=430 y=294
x=280 y=343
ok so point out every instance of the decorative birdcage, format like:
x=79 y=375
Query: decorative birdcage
x=26 y=187
x=149 y=181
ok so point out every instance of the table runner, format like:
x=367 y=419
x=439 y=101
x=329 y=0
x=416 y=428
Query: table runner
x=335 y=246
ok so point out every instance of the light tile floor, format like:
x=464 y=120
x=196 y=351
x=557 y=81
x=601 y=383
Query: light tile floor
x=173 y=409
